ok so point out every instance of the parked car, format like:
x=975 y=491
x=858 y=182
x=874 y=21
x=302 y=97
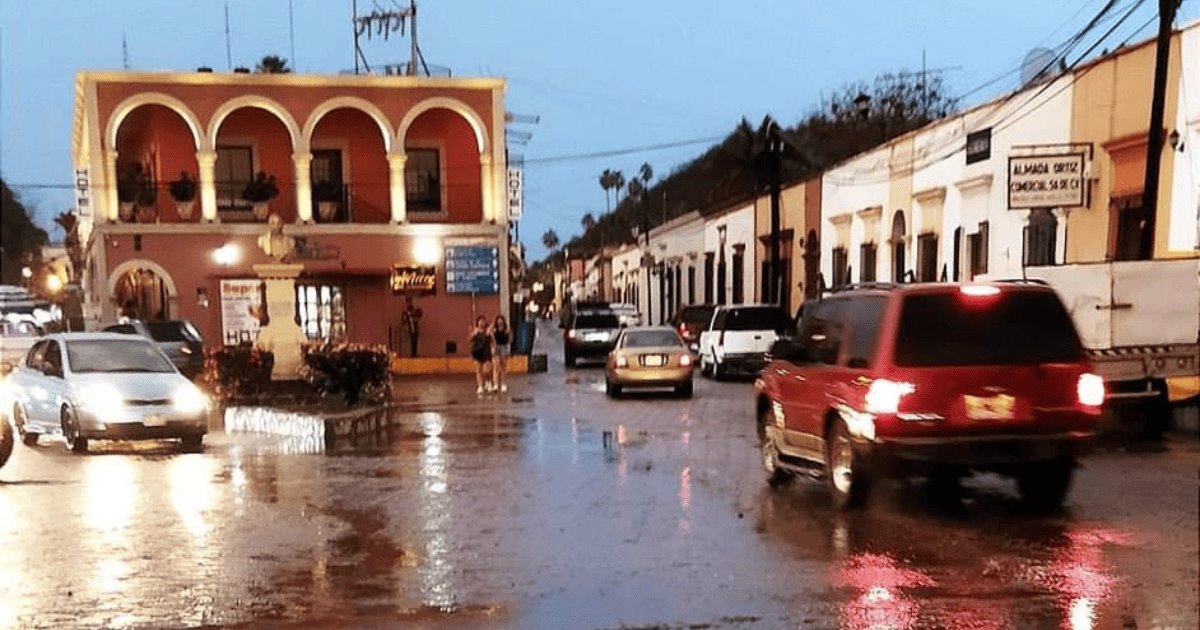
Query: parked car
x=690 y=321
x=627 y=314
x=6 y=439
x=933 y=379
x=649 y=357
x=737 y=338
x=17 y=334
x=106 y=386
x=178 y=338
x=591 y=333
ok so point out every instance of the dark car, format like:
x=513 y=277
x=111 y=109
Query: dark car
x=6 y=438
x=590 y=333
x=931 y=379
x=178 y=338
x=690 y=321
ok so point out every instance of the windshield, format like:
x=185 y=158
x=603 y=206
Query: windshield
x=765 y=318
x=169 y=331
x=1016 y=327
x=597 y=320
x=111 y=355
x=696 y=316
x=651 y=339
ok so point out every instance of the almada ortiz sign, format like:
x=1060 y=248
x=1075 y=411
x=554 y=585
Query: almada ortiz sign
x=1046 y=181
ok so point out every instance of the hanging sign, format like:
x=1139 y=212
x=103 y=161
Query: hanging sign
x=414 y=280
x=979 y=145
x=516 y=184
x=1046 y=181
x=241 y=311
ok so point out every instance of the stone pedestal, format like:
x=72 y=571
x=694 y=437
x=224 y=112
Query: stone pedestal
x=282 y=335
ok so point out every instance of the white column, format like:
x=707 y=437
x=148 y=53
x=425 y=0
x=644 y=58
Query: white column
x=397 y=187
x=207 y=163
x=303 y=167
x=486 y=187
x=112 y=204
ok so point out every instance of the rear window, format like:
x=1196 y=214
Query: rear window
x=168 y=331
x=596 y=320
x=696 y=316
x=765 y=318
x=651 y=338
x=1018 y=327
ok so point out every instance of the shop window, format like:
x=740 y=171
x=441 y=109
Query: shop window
x=423 y=180
x=841 y=260
x=691 y=284
x=1041 y=236
x=322 y=311
x=738 y=277
x=1135 y=229
x=234 y=169
x=899 y=250
x=721 y=276
x=708 y=278
x=866 y=269
x=927 y=258
x=977 y=248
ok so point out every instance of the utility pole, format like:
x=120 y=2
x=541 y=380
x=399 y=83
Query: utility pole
x=775 y=164
x=1154 y=142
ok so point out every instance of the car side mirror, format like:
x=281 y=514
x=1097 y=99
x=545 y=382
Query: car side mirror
x=6 y=368
x=791 y=350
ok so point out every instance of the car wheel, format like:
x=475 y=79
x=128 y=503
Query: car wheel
x=685 y=390
x=848 y=482
x=76 y=443
x=705 y=369
x=192 y=443
x=1044 y=486
x=28 y=438
x=718 y=370
x=613 y=390
x=569 y=359
x=6 y=441
x=776 y=476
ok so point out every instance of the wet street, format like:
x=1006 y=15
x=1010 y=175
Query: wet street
x=554 y=507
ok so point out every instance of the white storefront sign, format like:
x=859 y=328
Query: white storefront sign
x=241 y=306
x=1046 y=181
x=516 y=182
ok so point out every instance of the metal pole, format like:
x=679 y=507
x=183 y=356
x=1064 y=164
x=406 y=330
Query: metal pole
x=354 y=28
x=775 y=149
x=1154 y=143
x=412 y=65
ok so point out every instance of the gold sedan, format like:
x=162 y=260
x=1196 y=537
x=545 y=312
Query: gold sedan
x=649 y=357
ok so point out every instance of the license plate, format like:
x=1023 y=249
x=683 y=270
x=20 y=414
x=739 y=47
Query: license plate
x=998 y=407
x=595 y=337
x=155 y=420
x=655 y=360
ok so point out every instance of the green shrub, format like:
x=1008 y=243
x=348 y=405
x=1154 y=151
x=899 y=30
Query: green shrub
x=238 y=371
x=354 y=372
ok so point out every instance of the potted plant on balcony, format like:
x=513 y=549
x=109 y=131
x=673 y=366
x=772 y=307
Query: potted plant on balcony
x=131 y=186
x=327 y=194
x=183 y=191
x=260 y=191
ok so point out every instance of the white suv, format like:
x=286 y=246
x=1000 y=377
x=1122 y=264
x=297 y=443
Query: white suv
x=737 y=338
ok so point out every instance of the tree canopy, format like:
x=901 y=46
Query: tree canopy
x=272 y=64
x=21 y=240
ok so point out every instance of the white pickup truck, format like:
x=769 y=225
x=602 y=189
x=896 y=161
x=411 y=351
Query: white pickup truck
x=1140 y=320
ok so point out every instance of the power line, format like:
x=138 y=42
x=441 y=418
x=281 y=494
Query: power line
x=616 y=152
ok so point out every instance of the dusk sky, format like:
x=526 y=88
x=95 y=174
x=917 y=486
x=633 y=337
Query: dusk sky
x=602 y=75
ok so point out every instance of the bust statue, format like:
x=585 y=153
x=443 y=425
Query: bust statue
x=274 y=242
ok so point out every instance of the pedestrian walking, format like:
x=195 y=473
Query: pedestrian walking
x=481 y=353
x=411 y=319
x=501 y=336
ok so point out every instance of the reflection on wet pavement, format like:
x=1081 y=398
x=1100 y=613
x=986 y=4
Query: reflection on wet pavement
x=571 y=511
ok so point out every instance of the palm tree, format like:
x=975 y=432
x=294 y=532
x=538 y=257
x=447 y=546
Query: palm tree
x=588 y=222
x=550 y=240
x=70 y=227
x=272 y=64
x=606 y=182
x=618 y=182
x=646 y=173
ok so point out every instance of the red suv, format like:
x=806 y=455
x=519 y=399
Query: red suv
x=932 y=379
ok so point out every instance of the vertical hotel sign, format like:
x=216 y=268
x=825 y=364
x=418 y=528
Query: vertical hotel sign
x=516 y=192
x=83 y=191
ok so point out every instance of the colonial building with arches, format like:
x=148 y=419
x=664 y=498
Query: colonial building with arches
x=372 y=173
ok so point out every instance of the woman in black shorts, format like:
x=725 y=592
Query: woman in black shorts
x=502 y=336
x=481 y=352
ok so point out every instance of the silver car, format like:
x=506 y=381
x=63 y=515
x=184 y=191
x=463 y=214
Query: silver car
x=104 y=386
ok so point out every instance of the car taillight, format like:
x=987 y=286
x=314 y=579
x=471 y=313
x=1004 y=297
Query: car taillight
x=683 y=330
x=1090 y=390
x=685 y=360
x=571 y=334
x=884 y=396
x=622 y=361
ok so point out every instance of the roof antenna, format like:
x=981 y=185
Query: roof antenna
x=124 y=51
x=228 y=51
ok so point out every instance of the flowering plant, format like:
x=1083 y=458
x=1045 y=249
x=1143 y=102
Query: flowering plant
x=354 y=371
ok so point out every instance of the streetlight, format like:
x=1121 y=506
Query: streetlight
x=227 y=254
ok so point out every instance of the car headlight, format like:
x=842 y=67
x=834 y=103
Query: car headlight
x=190 y=400
x=103 y=400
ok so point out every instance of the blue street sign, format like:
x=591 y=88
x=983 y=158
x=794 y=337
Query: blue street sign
x=473 y=269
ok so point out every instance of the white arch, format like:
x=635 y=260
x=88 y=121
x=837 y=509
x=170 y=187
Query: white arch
x=152 y=98
x=299 y=145
x=140 y=263
x=349 y=102
x=452 y=104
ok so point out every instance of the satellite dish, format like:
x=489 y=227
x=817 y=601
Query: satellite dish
x=1038 y=64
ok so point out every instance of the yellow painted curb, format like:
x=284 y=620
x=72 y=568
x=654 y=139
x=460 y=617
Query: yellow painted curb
x=518 y=364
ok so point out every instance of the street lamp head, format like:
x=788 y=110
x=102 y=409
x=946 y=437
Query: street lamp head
x=862 y=103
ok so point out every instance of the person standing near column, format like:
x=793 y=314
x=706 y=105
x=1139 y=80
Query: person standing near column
x=502 y=337
x=412 y=323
